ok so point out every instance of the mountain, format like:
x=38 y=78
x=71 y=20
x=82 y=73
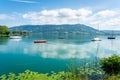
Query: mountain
x=75 y=28
x=114 y=32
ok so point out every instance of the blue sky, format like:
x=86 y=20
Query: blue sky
x=106 y=13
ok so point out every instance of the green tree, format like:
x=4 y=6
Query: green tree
x=4 y=31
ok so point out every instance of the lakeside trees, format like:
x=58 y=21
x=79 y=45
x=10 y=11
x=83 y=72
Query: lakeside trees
x=4 y=30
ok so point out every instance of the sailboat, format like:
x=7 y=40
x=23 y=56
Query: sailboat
x=111 y=37
x=16 y=35
x=96 y=38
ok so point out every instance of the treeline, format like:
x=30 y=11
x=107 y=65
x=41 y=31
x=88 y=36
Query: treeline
x=23 y=33
x=4 y=31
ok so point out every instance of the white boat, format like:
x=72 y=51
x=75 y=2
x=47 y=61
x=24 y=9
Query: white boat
x=15 y=37
x=96 y=39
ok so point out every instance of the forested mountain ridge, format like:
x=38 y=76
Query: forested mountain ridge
x=75 y=28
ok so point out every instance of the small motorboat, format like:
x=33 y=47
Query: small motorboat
x=40 y=41
x=15 y=37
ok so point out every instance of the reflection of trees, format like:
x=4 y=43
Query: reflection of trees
x=3 y=40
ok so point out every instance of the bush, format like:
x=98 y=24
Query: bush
x=111 y=65
x=4 y=30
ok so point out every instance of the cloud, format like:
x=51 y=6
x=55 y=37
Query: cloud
x=6 y=17
x=58 y=16
x=105 y=18
x=105 y=14
x=25 y=1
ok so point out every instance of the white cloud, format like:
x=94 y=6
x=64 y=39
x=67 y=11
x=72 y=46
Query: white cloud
x=24 y=1
x=105 y=18
x=58 y=16
x=105 y=14
x=6 y=17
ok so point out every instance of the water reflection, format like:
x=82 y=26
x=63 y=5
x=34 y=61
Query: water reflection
x=3 y=40
x=60 y=50
x=16 y=40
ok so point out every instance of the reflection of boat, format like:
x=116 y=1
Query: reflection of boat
x=61 y=38
x=17 y=40
x=40 y=41
x=15 y=37
x=96 y=39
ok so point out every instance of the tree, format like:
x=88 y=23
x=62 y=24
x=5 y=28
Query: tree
x=4 y=31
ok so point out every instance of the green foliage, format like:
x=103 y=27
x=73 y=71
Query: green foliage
x=30 y=75
x=4 y=30
x=23 y=33
x=111 y=65
x=116 y=77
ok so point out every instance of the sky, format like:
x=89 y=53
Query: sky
x=104 y=14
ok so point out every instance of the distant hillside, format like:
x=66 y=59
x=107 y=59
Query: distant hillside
x=114 y=32
x=76 y=28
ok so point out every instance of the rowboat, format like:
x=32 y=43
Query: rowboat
x=40 y=41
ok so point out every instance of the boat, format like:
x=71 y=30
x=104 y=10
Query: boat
x=96 y=39
x=15 y=37
x=111 y=37
x=40 y=41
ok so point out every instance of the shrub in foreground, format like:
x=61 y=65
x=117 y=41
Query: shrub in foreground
x=111 y=65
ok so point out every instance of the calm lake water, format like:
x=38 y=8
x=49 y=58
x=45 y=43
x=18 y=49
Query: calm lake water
x=55 y=55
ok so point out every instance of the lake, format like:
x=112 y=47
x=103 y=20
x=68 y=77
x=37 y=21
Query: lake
x=55 y=55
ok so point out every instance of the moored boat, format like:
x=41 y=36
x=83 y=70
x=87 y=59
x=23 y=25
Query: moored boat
x=40 y=41
x=15 y=37
x=111 y=37
x=96 y=39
